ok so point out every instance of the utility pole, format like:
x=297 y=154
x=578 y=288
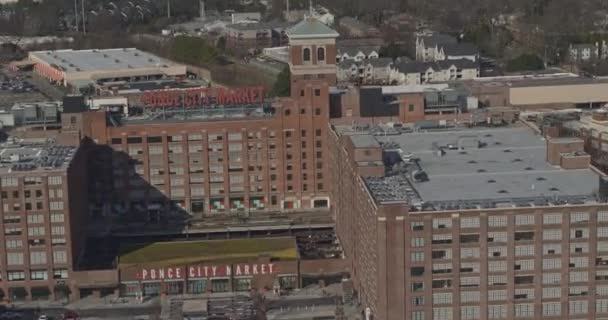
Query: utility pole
x=169 y=9
x=84 y=21
x=287 y=10
x=76 y=15
x=202 y=8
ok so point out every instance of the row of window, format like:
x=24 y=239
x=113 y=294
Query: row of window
x=36 y=257
x=502 y=220
x=37 y=275
x=14 y=181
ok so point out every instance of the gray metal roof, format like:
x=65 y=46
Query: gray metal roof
x=364 y=141
x=101 y=60
x=311 y=28
x=460 y=49
x=492 y=165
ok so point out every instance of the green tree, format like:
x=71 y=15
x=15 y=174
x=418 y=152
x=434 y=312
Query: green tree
x=192 y=50
x=282 y=86
x=525 y=62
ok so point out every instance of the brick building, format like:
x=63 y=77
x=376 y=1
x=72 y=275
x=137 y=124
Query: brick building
x=471 y=224
x=202 y=152
x=43 y=196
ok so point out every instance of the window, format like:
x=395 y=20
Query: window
x=445 y=254
x=497 y=221
x=55 y=180
x=318 y=132
x=582 y=233
x=552 y=234
x=56 y=205
x=524 y=250
x=579 y=217
x=472 y=222
x=11 y=181
x=417 y=226
x=578 y=307
x=497 y=251
x=442 y=268
x=57 y=217
x=552 y=308
x=466 y=253
x=317 y=93
x=37 y=257
x=497 y=295
x=580 y=276
x=58 y=230
x=16 y=276
x=524 y=310
x=411 y=108
x=522 y=220
x=469 y=312
x=579 y=248
x=442 y=313
x=552 y=248
x=39 y=275
x=417 y=315
x=497 y=266
x=417 y=286
x=470 y=296
x=14 y=258
x=497 y=311
x=35 y=231
x=60 y=274
x=321 y=54
x=469 y=267
x=552 y=218
x=469 y=282
x=552 y=278
x=442 y=298
x=602 y=216
x=524 y=265
x=417 y=271
x=306 y=55
x=442 y=238
x=14 y=244
x=418 y=242
x=442 y=223
x=497 y=280
x=579 y=262
x=35 y=218
x=601 y=306
x=60 y=256
x=417 y=256
x=499 y=237
x=552 y=264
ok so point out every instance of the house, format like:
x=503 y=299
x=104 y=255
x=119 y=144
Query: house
x=436 y=47
x=357 y=53
x=245 y=17
x=356 y=28
x=369 y=71
x=320 y=13
x=584 y=52
x=416 y=72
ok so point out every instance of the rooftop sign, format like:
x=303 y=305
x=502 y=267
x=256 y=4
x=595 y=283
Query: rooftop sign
x=203 y=97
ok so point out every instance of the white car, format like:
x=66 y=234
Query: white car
x=43 y=317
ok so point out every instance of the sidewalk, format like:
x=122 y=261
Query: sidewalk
x=89 y=303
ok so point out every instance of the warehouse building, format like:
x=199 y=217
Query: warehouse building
x=471 y=224
x=81 y=68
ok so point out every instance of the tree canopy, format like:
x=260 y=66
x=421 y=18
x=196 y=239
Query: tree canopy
x=525 y=62
x=282 y=86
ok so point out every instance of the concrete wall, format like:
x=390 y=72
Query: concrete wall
x=556 y=94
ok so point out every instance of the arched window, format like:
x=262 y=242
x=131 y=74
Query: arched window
x=306 y=54
x=321 y=54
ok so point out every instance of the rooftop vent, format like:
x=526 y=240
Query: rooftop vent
x=517 y=160
x=488 y=135
x=540 y=179
x=472 y=161
x=529 y=169
x=498 y=143
x=491 y=181
x=503 y=191
x=482 y=170
x=553 y=189
x=507 y=151
x=462 y=152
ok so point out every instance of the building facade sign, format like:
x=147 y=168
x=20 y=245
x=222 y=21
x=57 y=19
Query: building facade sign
x=203 y=97
x=207 y=271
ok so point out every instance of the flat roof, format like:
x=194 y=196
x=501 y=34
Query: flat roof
x=187 y=252
x=478 y=167
x=364 y=141
x=101 y=59
x=34 y=155
x=566 y=81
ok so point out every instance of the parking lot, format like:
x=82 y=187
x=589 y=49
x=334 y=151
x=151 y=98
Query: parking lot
x=18 y=87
